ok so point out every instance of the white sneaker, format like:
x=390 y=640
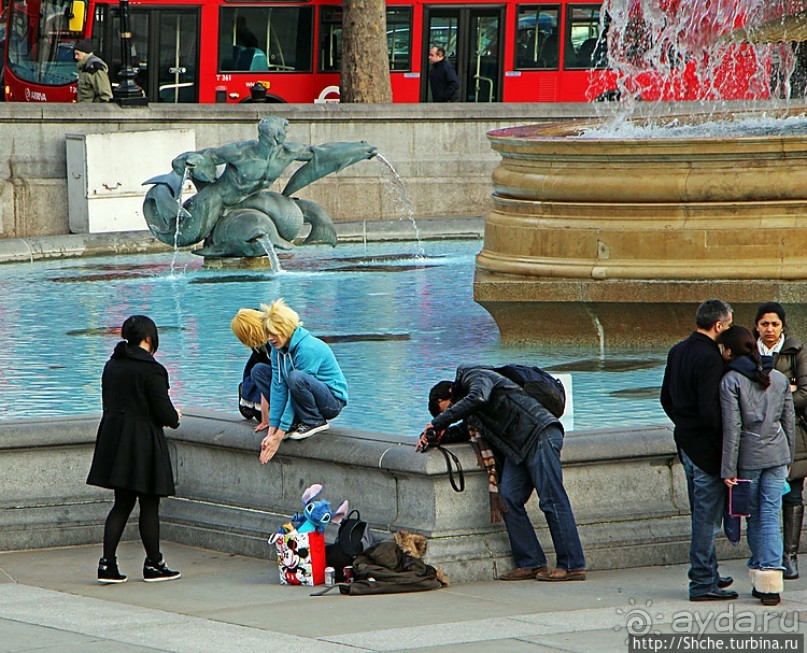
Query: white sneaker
x=305 y=431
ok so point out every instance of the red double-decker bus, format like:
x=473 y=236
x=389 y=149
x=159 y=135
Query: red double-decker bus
x=216 y=50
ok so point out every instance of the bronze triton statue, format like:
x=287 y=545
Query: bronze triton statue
x=233 y=211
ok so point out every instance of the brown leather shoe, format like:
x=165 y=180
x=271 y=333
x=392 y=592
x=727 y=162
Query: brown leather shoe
x=522 y=573
x=557 y=575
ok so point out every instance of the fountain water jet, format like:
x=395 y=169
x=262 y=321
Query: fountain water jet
x=402 y=199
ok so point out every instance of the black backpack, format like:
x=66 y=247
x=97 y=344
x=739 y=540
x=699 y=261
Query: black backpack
x=540 y=385
x=354 y=536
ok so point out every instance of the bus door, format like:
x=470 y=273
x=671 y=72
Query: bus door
x=472 y=38
x=165 y=50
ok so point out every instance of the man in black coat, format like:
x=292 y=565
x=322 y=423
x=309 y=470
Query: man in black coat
x=529 y=439
x=443 y=78
x=690 y=395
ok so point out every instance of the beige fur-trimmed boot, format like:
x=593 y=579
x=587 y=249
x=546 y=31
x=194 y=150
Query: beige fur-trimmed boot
x=767 y=584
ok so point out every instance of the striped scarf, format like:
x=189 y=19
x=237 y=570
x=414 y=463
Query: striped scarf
x=487 y=461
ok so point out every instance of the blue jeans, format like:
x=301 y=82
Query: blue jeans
x=312 y=400
x=707 y=495
x=249 y=391
x=764 y=535
x=542 y=472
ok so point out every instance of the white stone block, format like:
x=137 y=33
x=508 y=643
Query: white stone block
x=105 y=175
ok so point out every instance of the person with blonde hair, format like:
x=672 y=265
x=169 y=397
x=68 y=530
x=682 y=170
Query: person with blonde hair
x=247 y=325
x=303 y=382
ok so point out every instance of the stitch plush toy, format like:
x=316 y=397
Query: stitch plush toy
x=317 y=515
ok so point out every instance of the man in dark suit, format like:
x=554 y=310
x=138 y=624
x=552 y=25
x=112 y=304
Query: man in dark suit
x=443 y=78
x=690 y=395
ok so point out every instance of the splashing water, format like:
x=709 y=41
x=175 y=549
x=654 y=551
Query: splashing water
x=185 y=176
x=738 y=126
x=402 y=200
x=703 y=50
x=274 y=261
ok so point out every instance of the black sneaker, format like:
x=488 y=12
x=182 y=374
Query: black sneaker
x=306 y=431
x=108 y=572
x=154 y=572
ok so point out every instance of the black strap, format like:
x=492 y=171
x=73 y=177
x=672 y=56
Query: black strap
x=450 y=456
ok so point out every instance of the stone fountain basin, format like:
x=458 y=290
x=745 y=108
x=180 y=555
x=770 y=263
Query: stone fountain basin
x=556 y=162
x=673 y=208
x=614 y=228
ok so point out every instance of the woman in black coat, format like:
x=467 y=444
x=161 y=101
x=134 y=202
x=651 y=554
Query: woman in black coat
x=131 y=455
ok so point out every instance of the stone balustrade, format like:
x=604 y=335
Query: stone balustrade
x=626 y=487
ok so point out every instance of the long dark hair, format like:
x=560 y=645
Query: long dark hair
x=739 y=341
x=137 y=328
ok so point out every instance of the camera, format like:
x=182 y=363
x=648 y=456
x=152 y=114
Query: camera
x=432 y=439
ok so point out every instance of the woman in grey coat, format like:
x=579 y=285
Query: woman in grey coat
x=758 y=440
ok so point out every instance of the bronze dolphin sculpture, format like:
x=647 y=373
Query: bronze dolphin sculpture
x=233 y=211
x=269 y=217
x=326 y=159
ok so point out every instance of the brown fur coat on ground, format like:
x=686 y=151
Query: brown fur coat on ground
x=415 y=545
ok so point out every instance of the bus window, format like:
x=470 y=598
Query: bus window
x=483 y=82
x=3 y=21
x=399 y=38
x=330 y=35
x=40 y=45
x=584 y=48
x=537 y=44
x=265 y=38
x=443 y=34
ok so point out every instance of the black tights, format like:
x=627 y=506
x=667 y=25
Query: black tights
x=149 y=522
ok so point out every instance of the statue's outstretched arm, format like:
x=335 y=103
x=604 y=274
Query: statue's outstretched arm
x=202 y=164
x=299 y=151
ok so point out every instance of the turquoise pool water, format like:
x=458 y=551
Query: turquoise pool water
x=397 y=323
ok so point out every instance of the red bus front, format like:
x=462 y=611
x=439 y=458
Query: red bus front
x=39 y=50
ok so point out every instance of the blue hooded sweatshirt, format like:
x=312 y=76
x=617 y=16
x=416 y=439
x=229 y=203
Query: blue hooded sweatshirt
x=304 y=353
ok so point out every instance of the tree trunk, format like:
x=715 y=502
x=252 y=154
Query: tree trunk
x=365 y=63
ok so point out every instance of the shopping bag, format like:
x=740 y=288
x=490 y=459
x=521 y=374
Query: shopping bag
x=300 y=557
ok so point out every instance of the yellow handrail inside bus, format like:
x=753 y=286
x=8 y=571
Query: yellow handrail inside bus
x=78 y=15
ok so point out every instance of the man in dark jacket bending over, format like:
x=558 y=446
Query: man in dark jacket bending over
x=529 y=439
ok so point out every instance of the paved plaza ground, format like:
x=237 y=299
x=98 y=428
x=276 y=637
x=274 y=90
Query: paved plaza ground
x=49 y=601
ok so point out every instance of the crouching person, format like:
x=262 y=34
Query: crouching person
x=528 y=438
x=304 y=384
x=248 y=327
